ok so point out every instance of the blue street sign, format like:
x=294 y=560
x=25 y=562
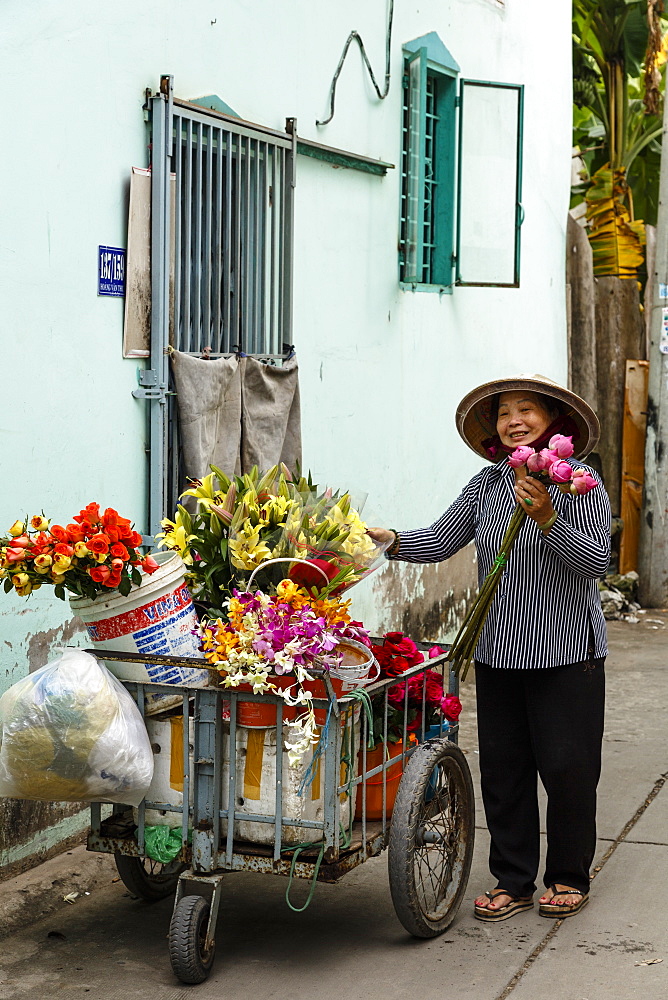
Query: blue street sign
x=110 y=271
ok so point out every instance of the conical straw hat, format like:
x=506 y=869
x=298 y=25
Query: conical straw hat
x=476 y=422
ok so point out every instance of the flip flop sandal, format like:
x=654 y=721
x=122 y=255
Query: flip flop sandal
x=561 y=911
x=516 y=905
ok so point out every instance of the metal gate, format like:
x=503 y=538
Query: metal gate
x=221 y=257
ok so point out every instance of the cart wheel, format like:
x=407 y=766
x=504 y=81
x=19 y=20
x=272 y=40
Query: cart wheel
x=146 y=878
x=191 y=959
x=431 y=838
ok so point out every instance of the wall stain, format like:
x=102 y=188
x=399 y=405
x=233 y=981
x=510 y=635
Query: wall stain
x=40 y=644
x=427 y=601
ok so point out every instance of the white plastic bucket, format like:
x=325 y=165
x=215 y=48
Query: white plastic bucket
x=156 y=617
x=358 y=666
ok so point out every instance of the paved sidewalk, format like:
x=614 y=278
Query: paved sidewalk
x=108 y=945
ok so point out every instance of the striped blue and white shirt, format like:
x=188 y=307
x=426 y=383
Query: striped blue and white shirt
x=547 y=608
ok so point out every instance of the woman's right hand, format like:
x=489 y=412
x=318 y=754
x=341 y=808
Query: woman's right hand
x=384 y=536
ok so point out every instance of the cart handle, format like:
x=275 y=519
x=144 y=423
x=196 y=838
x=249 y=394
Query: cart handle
x=288 y=559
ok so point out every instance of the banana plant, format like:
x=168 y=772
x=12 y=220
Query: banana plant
x=617 y=122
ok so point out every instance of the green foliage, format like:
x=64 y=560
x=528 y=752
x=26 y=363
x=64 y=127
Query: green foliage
x=617 y=122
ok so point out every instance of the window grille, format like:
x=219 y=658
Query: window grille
x=221 y=258
x=230 y=239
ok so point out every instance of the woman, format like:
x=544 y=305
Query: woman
x=539 y=661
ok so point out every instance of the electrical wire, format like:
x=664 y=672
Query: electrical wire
x=355 y=36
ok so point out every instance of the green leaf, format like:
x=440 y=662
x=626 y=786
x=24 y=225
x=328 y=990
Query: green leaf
x=59 y=592
x=136 y=576
x=7 y=585
x=125 y=586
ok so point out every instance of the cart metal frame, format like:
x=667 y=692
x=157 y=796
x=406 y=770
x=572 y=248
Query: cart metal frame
x=211 y=854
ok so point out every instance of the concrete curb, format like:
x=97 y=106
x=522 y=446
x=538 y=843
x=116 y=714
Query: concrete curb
x=39 y=892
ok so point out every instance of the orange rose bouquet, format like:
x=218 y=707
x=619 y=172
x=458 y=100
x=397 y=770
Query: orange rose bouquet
x=96 y=553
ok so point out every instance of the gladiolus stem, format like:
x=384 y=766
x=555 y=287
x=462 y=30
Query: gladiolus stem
x=463 y=648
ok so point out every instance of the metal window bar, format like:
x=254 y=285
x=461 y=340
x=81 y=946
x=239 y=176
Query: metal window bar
x=429 y=233
x=232 y=239
x=429 y=153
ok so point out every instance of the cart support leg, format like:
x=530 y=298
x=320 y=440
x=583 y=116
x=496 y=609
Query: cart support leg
x=208 y=886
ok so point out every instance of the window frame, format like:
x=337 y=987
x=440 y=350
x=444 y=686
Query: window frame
x=519 y=210
x=436 y=63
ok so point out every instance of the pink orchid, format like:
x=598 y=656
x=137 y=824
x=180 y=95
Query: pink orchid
x=560 y=472
x=582 y=482
x=562 y=445
x=520 y=456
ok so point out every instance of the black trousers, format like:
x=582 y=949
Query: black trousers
x=546 y=723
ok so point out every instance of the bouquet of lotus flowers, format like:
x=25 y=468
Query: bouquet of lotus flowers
x=265 y=637
x=244 y=523
x=549 y=466
x=94 y=554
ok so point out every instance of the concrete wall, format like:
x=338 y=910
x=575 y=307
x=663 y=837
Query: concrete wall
x=381 y=369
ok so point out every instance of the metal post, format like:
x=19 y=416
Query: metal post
x=290 y=180
x=653 y=550
x=160 y=228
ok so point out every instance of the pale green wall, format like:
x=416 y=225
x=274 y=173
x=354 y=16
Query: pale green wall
x=381 y=370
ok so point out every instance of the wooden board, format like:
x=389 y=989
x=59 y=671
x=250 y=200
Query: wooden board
x=633 y=461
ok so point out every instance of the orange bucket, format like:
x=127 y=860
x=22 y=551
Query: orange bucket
x=374 y=786
x=262 y=714
x=318 y=690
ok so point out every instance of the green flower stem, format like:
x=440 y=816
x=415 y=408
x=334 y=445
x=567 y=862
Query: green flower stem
x=463 y=648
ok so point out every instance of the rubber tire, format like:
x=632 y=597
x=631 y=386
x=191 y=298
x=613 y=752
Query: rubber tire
x=148 y=885
x=405 y=824
x=190 y=963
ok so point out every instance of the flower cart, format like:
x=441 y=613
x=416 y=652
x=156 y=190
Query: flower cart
x=282 y=738
x=317 y=831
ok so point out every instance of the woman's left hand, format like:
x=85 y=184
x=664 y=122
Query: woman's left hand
x=540 y=508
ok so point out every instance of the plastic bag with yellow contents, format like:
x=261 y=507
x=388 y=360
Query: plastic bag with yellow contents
x=71 y=732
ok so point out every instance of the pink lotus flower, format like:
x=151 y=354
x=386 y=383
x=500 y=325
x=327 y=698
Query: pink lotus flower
x=520 y=456
x=541 y=460
x=562 y=445
x=582 y=482
x=560 y=472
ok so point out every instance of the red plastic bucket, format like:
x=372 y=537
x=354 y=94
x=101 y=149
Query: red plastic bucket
x=262 y=714
x=318 y=690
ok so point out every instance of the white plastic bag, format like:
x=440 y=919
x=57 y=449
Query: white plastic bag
x=71 y=732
